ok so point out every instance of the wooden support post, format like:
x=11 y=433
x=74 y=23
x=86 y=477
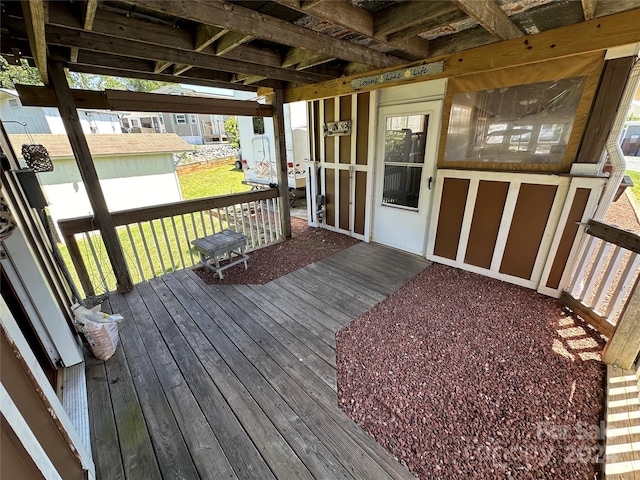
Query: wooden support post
x=281 y=161
x=623 y=347
x=78 y=141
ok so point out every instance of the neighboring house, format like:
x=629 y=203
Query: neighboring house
x=134 y=171
x=196 y=129
x=47 y=119
x=257 y=145
x=142 y=122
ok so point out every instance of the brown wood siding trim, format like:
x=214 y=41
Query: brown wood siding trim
x=362 y=129
x=330 y=196
x=344 y=145
x=605 y=106
x=361 y=203
x=452 y=205
x=344 y=187
x=329 y=142
x=568 y=236
x=24 y=394
x=487 y=214
x=527 y=228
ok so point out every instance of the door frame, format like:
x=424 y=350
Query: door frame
x=427 y=106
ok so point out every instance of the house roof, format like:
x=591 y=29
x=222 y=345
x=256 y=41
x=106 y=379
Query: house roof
x=101 y=145
x=286 y=43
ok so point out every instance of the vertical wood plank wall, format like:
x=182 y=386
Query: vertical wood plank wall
x=343 y=161
x=519 y=228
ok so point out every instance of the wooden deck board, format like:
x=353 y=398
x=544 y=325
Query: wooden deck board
x=170 y=448
x=239 y=381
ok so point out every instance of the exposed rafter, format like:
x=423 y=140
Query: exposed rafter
x=358 y=20
x=89 y=9
x=241 y=19
x=491 y=17
x=589 y=8
x=34 y=14
x=402 y=17
x=106 y=44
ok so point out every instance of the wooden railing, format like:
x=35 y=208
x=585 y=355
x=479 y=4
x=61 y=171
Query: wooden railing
x=156 y=240
x=604 y=285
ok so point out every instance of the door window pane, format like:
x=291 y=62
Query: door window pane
x=405 y=139
x=401 y=185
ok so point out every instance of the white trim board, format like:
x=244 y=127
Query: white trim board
x=48 y=395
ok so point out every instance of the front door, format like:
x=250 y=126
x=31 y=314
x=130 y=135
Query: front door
x=405 y=166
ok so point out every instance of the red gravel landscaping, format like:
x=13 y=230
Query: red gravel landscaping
x=462 y=376
x=306 y=246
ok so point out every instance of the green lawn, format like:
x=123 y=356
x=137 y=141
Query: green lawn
x=635 y=176
x=210 y=183
x=215 y=181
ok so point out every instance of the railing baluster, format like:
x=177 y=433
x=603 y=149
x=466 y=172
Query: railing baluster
x=227 y=217
x=276 y=202
x=242 y=217
x=607 y=279
x=576 y=286
x=213 y=228
x=626 y=281
x=204 y=225
x=269 y=220
x=264 y=225
x=596 y=269
x=166 y=239
x=250 y=214
x=79 y=264
x=175 y=234
x=219 y=219
x=96 y=261
x=146 y=249
x=135 y=253
x=235 y=217
x=155 y=240
x=186 y=236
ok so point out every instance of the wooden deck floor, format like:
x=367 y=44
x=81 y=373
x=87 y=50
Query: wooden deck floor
x=239 y=381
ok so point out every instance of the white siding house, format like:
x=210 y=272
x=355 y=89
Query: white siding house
x=47 y=119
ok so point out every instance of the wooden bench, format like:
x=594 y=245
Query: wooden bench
x=216 y=247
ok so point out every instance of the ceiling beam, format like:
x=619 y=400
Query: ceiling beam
x=589 y=8
x=594 y=36
x=127 y=101
x=34 y=16
x=117 y=25
x=301 y=56
x=491 y=17
x=89 y=8
x=357 y=20
x=402 y=16
x=230 y=41
x=129 y=48
x=241 y=19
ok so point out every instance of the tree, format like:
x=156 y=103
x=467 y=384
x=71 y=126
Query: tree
x=23 y=74
x=88 y=81
x=633 y=116
x=231 y=127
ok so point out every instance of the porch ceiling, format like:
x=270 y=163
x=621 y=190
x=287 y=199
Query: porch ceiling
x=277 y=44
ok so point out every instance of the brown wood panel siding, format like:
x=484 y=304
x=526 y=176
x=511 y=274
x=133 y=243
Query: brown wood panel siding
x=605 y=106
x=527 y=227
x=485 y=224
x=329 y=142
x=345 y=140
x=362 y=129
x=16 y=462
x=344 y=199
x=34 y=411
x=361 y=203
x=330 y=195
x=568 y=235
x=452 y=204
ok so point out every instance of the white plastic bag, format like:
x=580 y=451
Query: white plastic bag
x=100 y=330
